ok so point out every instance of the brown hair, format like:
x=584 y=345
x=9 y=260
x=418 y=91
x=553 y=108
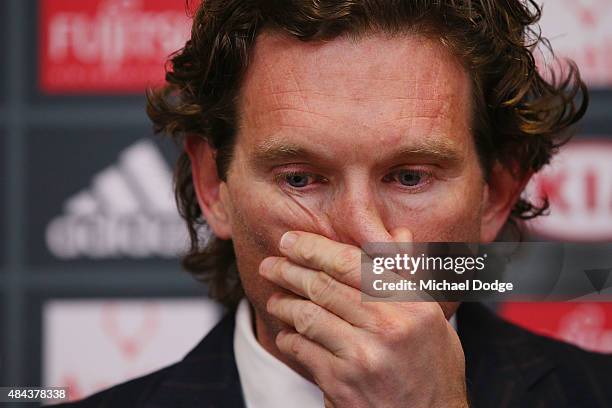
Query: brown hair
x=520 y=117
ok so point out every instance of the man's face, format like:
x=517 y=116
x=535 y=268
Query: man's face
x=351 y=139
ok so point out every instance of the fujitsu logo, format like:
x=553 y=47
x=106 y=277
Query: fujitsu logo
x=108 y=46
x=578 y=184
x=115 y=32
x=128 y=211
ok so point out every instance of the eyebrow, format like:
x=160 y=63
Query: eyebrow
x=436 y=151
x=274 y=153
x=441 y=152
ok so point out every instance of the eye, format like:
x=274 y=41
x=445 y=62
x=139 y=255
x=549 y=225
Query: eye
x=408 y=177
x=297 y=179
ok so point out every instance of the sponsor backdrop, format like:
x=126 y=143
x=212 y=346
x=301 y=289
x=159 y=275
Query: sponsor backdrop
x=92 y=292
x=108 y=201
x=578 y=182
x=106 y=46
x=122 y=338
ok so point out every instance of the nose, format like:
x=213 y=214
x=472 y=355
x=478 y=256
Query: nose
x=357 y=217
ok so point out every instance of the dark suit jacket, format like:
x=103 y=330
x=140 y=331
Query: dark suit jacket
x=506 y=366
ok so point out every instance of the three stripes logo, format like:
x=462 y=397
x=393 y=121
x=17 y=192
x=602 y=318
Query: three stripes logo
x=127 y=211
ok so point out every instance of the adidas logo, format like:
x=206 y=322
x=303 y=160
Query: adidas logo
x=128 y=211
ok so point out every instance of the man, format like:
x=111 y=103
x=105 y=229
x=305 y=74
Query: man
x=314 y=127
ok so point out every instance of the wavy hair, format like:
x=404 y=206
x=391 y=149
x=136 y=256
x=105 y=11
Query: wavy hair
x=521 y=116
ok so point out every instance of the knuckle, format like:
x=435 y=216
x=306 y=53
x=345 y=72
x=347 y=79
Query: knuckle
x=295 y=345
x=289 y=343
x=282 y=268
x=307 y=250
x=352 y=297
x=393 y=328
x=368 y=360
x=400 y=331
x=269 y=264
x=341 y=370
x=347 y=260
x=342 y=395
x=397 y=331
x=428 y=315
x=306 y=318
x=320 y=286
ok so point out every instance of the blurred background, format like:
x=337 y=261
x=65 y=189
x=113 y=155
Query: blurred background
x=91 y=289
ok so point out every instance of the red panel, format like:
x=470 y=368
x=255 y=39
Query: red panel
x=578 y=185
x=107 y=46
x=587 y=325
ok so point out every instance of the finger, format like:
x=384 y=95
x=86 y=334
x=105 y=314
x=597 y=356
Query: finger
x=379 y=285
x=340 y=261
x=312 y=321
x=315 y=358
x=401 y=235
x=336 y=297
x=403 y=238
x=401 y=244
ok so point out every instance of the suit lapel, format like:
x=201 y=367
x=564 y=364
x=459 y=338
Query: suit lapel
x=502 y=362
x=207 y=377
x=502 y=366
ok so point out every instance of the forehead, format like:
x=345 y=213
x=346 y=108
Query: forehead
x=395 y=84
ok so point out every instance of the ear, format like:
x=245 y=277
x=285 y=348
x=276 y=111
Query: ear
x=210 y=190
x=500 y=194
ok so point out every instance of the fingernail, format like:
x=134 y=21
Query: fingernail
x=288 y=239
x=271 y=303
x=281 y=334
x=264 y=267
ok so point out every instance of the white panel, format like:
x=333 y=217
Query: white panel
x=89 y=345
x=582 y=31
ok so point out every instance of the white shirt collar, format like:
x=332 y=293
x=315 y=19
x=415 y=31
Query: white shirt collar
x=266 y=381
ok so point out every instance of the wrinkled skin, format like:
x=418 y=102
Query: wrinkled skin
x=349 y=142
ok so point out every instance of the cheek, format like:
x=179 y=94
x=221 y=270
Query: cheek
x=451 y=215
x=254 y=238
x=259 y=217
